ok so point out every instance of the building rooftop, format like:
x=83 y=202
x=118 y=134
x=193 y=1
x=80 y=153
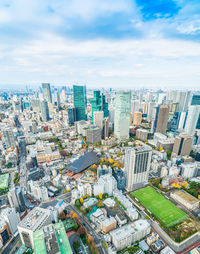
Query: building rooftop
x=4 y=181
x=51 y=239
x=83 y=162
x=189 y=198
x=34 y=218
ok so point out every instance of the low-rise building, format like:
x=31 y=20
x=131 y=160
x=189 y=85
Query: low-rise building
x=185 y=199
x=108 y=224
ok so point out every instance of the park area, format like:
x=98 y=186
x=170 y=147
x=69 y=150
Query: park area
x=161 y=208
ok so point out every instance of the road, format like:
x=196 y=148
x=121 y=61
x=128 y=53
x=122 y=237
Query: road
x=12 y=245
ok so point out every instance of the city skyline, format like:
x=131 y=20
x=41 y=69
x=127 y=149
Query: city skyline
x=128 y=44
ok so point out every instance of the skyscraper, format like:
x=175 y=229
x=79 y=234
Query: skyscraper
x=161 y=119
x=192 y=119
x=98 y=119
x=44 y=110
x=122 y=114
x=47 y=92
x=16 y=199
x=195 y=99
x=99 y=104
x=182 y=145
x=71 y=116
x=137 y=166
x=80 y=102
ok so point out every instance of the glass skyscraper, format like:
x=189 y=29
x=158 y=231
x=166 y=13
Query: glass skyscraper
x=99 y=104
x=80 y=102
x=122 y=114
x=47 y=92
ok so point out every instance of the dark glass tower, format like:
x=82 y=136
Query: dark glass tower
x=80 y=102
x=99 y=104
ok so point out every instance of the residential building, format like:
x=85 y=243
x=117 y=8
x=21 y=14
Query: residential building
x=16 y=199
x=105 y=184
x=126 y=235
x=108 y=224
x=137 y=166
x=80 y=102
x=137 y=118
x=189 y=170
x=9 y=138
x=142 y=134
x=93 y=134
x=122 y=114
x=35 y=220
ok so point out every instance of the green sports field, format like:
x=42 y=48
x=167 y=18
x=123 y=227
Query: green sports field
x=164 y=210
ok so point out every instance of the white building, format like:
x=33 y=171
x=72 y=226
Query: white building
x=11 y=218
x=192 y=118
x=189 y=169
x=38 y=190
x=126 y=235
x=105 y=184
x=81 y=189
x=167 y=250
x=35 y=220
x=137 y=166
x=75 y=195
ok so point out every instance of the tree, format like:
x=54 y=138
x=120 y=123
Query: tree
x=78 y=203
x=81 y=200
x=100 y=195
x=75 y=227
x=105 y=195
x=62 y=216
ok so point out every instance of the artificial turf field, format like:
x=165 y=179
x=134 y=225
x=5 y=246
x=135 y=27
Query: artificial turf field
x=164 y=210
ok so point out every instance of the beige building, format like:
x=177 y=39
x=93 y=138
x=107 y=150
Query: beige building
x=182 y=145
x=184 y=198
x=108 y=224
x=142 y=134
x=137 y=118
x=162 y=119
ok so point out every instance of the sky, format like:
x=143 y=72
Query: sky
x=100 y=43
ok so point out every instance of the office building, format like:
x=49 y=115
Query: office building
x=137 y=118
x=9 y=138
x=195 y=99
x=192 y=119
x=71 y=116
x=182 y=145
x=99 y=103
x=126 y=235
x=35 y=220
x=185 y=199
x=80 y=102
x=44 y=111
x=51 y=239
x=137 y=166
x=108 y=224
x=16 y=199
x=35 y=104
x=57 y=99
x=161 y=119
x=182 y=120
x=122 y=115
x=120 y=178
x=46 y=89
x=11 y=218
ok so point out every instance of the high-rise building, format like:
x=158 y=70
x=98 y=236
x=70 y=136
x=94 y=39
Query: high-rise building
x=122 y=114
x=99 y=103
x=137 y=166
x=16 y=199
x=71 y=116
x=11 y=218
x=161 y=119
x=44 y=110
x=9 y=138
x=47 y=92
x=195 y=99
x=35 y=220
x=182 y=145
x=58 y=99
x=105 y=132
x=80 y=102
x=4 y=231
x=98 y=117
x=137 y=118
x=182 y=120
x=192 y=119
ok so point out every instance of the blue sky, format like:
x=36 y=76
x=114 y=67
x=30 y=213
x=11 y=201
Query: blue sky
x=100 y=43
